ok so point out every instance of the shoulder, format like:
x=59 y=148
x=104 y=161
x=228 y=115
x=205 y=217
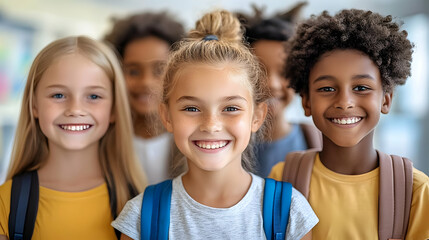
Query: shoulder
x=5 y=189
x=277 y=171
x=419 y=179
x=4 y=205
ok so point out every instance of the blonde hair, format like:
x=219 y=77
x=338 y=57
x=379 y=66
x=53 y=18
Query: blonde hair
x=118 y=162
x=227 y=47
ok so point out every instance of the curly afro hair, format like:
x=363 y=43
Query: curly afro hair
x=376 y=36
x=159 y=25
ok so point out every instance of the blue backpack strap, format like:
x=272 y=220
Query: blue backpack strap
x=24 y=202
x=155 y=211
x=276 y=206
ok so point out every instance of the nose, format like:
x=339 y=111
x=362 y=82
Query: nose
x=274 y=82
x=75 y=108
x=344 y=100
x=210 y=123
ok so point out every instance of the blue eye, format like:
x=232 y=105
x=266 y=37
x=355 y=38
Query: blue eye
x=191 y=109
x=231 y=109
x=58 y=95
x=93 y=96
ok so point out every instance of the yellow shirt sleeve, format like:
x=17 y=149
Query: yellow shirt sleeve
x=4 y=207
x=277 y=171
x=418 y=226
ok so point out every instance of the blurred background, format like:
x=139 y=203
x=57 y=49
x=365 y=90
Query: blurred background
x=26 y=26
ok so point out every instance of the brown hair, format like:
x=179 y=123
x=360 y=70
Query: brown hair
x=228 y=47
x=121 y=170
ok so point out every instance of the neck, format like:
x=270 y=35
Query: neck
x=355 y=160
x=71 y=171
x=147 y=126
x=219 y=189
x=280 y=127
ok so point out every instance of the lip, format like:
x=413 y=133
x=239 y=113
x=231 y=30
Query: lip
x=75 y=127
x=211 y=146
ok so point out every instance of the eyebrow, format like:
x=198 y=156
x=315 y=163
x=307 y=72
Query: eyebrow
x=89 y=87
x=225 y=99
x=137 y=63
x=355 y=77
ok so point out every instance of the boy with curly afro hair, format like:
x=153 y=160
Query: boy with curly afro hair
x=143 y=43
x=346 y=68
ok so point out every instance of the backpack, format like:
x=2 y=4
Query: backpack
x=396 y=185
x=24 y=202
x=155 y=211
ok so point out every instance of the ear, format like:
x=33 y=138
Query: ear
x=259 y=116
x=165 y=117
x=387 y=102
x=306 y=104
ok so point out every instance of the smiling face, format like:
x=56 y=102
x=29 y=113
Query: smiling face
x=211 y=113
x=143 y=68
x=73 y=102
x=346 y=96
x=273 y=56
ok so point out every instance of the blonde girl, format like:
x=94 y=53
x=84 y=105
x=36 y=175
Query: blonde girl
x=75 y=132
x=214 y=103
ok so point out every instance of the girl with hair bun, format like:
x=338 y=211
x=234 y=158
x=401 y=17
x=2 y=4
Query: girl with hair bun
x=214 y=104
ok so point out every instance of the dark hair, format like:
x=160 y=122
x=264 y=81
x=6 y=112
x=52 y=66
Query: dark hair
x=159 y=25
x=374 y=35
x=279 y=27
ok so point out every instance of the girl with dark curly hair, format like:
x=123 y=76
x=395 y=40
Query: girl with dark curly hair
x=346 y=67
x=143 y=42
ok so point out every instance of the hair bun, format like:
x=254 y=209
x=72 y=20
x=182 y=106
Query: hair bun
x=222 y=24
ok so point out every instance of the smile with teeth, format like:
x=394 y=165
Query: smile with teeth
x=75 y=127
x=346 y=121
x=211 y=144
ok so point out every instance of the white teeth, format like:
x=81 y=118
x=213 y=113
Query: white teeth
x=74 y=127
x=345 y=121
x=216 y=145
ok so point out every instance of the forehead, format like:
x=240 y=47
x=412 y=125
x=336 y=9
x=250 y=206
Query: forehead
x=146 y=49
x=74 y=69
x=211 y=81
x=270 y=51
x=344 y=64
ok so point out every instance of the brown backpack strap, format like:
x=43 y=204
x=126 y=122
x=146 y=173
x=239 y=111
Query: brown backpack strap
x=396 y=183
x=298 y=168
x=312 y=135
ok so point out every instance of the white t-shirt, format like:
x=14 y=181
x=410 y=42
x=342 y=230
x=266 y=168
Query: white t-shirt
x=155 y=154
x=192 y=220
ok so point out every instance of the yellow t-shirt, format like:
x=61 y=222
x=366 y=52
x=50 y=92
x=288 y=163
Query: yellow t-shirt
x=65 y=215
x=347 y=205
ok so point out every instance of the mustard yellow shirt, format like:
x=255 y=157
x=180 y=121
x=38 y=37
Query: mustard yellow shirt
x=347 y=205
x=65 y=215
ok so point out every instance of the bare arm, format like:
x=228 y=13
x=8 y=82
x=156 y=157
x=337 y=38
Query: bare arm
x=3 y=237
x=123 y=237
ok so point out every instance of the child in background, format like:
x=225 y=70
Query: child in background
x=346 y=67
x=214 y=103
x=143 y=42
x=268 y=37
x=75 y=132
